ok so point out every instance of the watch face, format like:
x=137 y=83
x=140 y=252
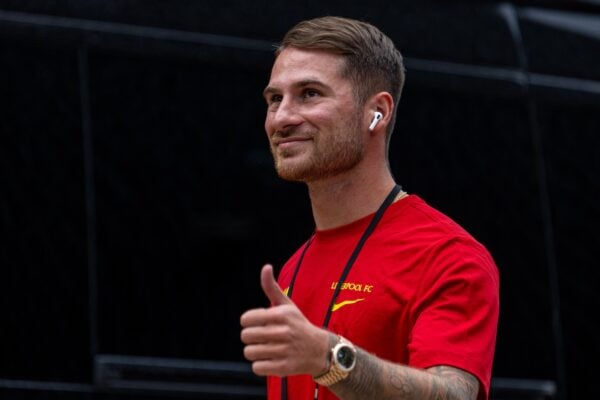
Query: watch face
x=345 y=356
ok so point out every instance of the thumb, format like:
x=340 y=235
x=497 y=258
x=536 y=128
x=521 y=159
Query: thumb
x=271 y=288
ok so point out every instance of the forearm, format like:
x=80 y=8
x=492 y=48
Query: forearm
x=379 y=379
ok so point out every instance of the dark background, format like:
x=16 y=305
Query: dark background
x=138 y=199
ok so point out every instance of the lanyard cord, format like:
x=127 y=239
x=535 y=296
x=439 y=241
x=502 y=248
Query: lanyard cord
x=386 y=203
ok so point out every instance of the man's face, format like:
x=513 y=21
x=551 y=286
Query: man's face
x=313 y=121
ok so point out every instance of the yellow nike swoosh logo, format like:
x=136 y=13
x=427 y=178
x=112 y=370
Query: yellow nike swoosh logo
x=337 y=306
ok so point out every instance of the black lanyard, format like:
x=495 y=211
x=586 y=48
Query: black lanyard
x=386 y=203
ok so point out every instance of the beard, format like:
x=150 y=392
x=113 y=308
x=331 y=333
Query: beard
x=330 y=154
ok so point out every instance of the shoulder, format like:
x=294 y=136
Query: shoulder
x=418 y=215
x=416 y=222
x=440 y=244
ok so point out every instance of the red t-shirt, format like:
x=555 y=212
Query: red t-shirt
x=422 y=293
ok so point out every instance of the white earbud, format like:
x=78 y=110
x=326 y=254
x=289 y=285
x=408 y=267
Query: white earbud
x=376 y=118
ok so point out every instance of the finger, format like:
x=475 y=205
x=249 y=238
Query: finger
x=266 y=334
x=251 y=335
x=255 y=317
x=270 y=367
x=269 y=351
x=271 y=288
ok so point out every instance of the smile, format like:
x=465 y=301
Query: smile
x=289 y=142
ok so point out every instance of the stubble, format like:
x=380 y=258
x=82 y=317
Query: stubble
x=329 y=154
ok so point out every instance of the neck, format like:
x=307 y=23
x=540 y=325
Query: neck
x=343 y=199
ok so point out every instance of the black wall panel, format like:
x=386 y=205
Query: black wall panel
x=571 y=143
x=140 y=201
x=44 y=285
x=562 y=43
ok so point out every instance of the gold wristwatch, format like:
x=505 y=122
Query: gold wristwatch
x=342 y=359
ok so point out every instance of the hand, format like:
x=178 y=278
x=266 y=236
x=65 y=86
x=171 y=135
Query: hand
x=280 y=340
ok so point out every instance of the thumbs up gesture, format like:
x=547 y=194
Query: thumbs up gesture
x=280 y=340
x=271 y=287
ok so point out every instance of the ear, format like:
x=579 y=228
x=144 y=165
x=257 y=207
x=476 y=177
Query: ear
x=381 y=102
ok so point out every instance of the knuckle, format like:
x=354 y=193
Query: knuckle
x=283 y=333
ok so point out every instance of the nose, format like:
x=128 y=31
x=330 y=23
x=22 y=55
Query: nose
x=282 y=117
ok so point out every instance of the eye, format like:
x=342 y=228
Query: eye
x=273 y=101
x=274 y=98
x=309 y=93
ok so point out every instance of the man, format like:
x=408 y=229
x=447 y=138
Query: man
x=389 y=299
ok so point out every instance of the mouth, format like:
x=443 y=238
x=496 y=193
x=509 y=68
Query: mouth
x=289 y=141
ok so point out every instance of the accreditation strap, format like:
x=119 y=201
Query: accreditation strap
x=376 y=218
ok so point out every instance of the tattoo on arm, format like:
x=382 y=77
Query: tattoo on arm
x=459 y=384
x=377 y=379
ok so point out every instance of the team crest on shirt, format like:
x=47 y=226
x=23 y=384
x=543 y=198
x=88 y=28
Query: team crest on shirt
x=361 y=288
x=351 y=286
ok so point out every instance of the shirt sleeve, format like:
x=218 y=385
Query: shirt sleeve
x=455 y=312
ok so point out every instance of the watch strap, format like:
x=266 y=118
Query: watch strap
x=335 y=373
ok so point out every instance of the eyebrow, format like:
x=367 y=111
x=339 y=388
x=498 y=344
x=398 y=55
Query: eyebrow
x=269 y=90
x=303 y=83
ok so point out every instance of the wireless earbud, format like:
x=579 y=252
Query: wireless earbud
x=376 y=118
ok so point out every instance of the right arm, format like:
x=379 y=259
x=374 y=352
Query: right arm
x=280 y=341
x=378 y=379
